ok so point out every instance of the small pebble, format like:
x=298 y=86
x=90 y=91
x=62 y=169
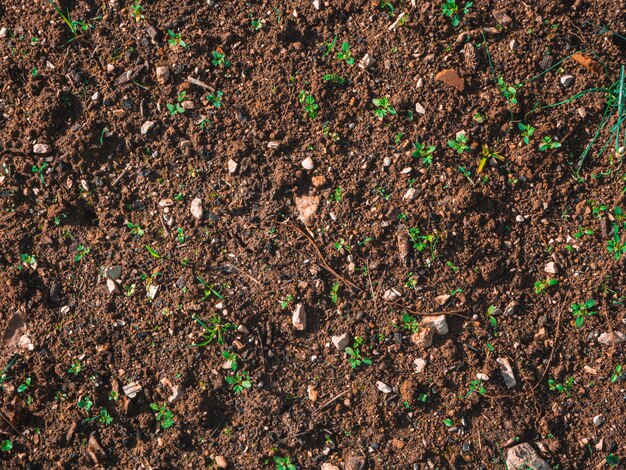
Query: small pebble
x=308 y=164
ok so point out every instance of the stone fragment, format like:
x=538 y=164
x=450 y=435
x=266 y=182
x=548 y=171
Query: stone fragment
x=524 y=456
x=196 y=208
x=451 y=78
x=341 y=342
x=298 y=318
x=307 y=207
x=507 y=372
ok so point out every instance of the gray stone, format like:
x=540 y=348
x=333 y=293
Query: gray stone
x=567 y=80
x=507 y=372
x=523 y=456
x=42 y=148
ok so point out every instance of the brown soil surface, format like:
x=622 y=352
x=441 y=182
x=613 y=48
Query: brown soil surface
x=95 y=199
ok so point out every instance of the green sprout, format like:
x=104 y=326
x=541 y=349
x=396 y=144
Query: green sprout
x=334 y=292
x=240 y=382
x=548 y=144
x=355 y=358
x=81 y=252
x=284 y=463
x=215 y=100
x=615 y=244
x=220 y=59
x=214 y=330
x=137 y=11
x=176 y=108
x=459 y=143
x=135 y=229
x=476 y=386
x=383 y=108
x=450 y=9
x=345 y=54
x=527 y=131
x=310 y=106
x=566 y=387
x=176 y=40
x=582 y=311
x=542 y=285
x=163 y=416
x=425 y=152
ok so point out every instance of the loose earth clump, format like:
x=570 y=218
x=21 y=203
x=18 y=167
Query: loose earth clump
x=312 y=234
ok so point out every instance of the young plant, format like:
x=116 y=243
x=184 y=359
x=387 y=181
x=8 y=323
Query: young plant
x=214 y=331
x=383 y=108
x=410 y=323
x=476 y=386
x=454 y=11
x=176 y=40
x=617 y=373
x=105 y=418
x=423 y=151
x=25 y=385
x=542 y=285
x=566 y=387
x=209 y=290
x=163 y=416
x=85 y=403
x=508 y=91
x=75 y=368
x=284 y=303
x=284 y=463
x=422 y=242
x=334 y=292
x=493 y=321
x=75 y=26
x=487 y=154
x=135 y=229
x=231 y=360
x=615 y=245
x=240 y=382
x=355 y=358
x=527 y=131
x=459 y=143
x=220 y=59
x=411 y=281
x=81 y=252
x=215 y=100
x=582 y=311
x=38 y=170
x=137 y=11
x=310 y=106
x=548 y=144
x=345 y=54
x=583 y=231
x=334 y=79
x=176 y=108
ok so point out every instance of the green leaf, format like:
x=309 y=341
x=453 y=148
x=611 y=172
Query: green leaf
x=448 y=422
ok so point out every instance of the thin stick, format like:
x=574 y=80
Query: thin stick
x=332 y=400
x=241 y=271
x=195 y=81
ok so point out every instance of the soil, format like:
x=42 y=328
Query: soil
x=66 y=213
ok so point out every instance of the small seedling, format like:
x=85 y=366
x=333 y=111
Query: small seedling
x=310 y=106
x=85 y=403
x=240 y=382
x=493 y=321
x=411 y=281
x=617 y=373
x=527 y=131
x=105 y=418
x=180 y=235
x=454 y=11
x=548 y=143
x=256 y=24
x=39 y=171
x=341 y=245
x=410 y=323
x=425 y=152
x=152 y=251
x=615 y=245
x=334 y=292
x=355 y=358
x=135 y=229
x=76 y=367
x=345 y=54
x=284 y=463
x=75 y=26
x=508 y=91
x=334 y=79
x=6 y=445
x=28 y=259
x=163 y=416
x=542 y=285
x=476 y=386
x=479 y=117
x=336 y=195
x=583 y=231
x=459 y=143
x=176 y=40
x=566 y=387
x=177 y=108
x=137 y=11
x=25 y=385
x=81 y=252
x=215 y=100
x=220 y=59
x=582 y=311
x=284 y=303
x=422 y=242
x=612 y=460
x=214 y=330
x=487 y=154
x=231 y=359
x=386 y=4
x=209 y=290
x=383 y=108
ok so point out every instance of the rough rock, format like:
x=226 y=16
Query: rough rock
x=598 y=420
x=366 y=61
x=162 y=74
x=114 y=287
x=232 y=166
x=424 y=337
x=501 y=17
x=451 y=77
x=147 y=127
x=196 y=208
x=567 y=80
x=355 y=463
x=308 y=164
x=329 y=466
x=221 y=461
x=507 y=372
x=307 y=207
x=114 y=273
x=551 y=268
x=42 y=148
x=298 y=318
x=420 y=365
x=438 y=322
x=341 y=342
x=383 y=387
x=419 y=108
x=524 y=456
x=391 y=294
x=608 y=338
